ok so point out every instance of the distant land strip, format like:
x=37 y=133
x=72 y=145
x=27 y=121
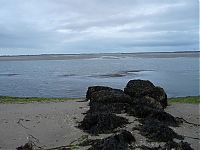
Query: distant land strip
x=100 y=55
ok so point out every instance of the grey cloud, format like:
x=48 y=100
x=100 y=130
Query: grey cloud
x=66 y=26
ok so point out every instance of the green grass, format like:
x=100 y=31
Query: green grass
x=10 y=99
x=189 y=99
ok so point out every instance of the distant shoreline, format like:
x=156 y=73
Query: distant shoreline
x=100 y=55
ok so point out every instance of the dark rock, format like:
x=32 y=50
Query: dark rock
x=137 y=88
x=147 y=101
x=95 y=89
x=176 y=146
x=156 y=131
x=110 y=96
x=27 y=146
x=159 y=95
x=97 y=123
x=118 y=141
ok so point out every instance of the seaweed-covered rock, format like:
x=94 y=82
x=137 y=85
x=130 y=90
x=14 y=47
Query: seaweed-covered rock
x=147 y=101
x=110 y=96
x=137 y=88
x=176 y=146
x=92 y=89
x=144 y=88
x=156 y=131
x=97 y=123
x=158 y=94
x=118 y=141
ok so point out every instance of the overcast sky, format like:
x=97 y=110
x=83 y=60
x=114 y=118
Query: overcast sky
x=93 y=26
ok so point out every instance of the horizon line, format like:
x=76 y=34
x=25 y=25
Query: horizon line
x=153 y=52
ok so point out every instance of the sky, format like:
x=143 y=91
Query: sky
x=98 y=26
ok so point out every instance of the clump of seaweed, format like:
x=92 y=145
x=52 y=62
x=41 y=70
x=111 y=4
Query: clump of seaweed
x=97 y=123
x=154 y=130
x=117 y=141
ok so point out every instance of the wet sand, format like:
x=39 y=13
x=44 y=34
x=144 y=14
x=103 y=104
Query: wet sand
x=54 y=124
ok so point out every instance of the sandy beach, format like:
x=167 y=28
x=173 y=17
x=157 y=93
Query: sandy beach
x=54 y=124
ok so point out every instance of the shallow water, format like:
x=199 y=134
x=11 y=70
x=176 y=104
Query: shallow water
x=179 y=76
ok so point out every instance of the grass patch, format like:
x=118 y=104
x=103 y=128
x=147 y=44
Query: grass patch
x=188 y=99
x=10 y=99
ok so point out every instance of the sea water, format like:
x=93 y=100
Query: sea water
x=179 y=76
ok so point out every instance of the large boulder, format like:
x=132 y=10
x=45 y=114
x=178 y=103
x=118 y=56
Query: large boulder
x=159 y=95
x=147 y=101
x=138 y=88
x=142 y=88
x=110 y=96
x=92 y=89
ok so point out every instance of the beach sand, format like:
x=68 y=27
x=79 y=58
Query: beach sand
x=54 y=124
